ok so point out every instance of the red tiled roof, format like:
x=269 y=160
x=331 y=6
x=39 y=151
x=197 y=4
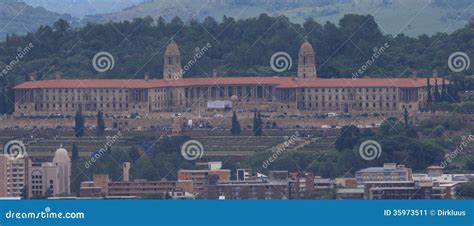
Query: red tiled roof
x=281 y=82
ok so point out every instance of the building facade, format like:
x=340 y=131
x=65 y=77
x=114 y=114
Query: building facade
x=50 y=178
x=278 y=185
x=103 y=186
x=389 y=172
x=13 y=176
x=303 y=93
x=199 y=177
x=406 y=190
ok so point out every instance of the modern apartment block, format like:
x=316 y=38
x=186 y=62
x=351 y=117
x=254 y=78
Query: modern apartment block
x=13 y=176
x=303 y=184
x=249 y=189
x=279 y=185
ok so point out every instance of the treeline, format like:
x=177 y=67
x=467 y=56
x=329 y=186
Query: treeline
x=239 y=48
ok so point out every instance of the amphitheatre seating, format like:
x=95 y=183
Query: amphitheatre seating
x=238 y=143
x=46 y=147
x=320 y=145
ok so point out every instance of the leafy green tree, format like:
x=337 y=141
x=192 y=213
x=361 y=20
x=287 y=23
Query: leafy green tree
x=411 y=132
x=453 y=89
x=367 y=133
x=466 y=190
x=235 y=128
x=61 y=26
x=438 y=131
x=348 y=137
x=134 y=154
x=79 y=124
x=391 y=126
x=48 y=193
x=79 y=173
x=144 y=169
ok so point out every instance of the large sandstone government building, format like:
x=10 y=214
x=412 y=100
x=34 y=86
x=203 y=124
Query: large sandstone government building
x=303 y=93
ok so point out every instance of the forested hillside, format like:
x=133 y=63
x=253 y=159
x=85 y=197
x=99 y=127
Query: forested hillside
x=239 y=48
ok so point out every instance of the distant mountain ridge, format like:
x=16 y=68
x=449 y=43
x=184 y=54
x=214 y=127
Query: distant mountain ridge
x=20 y=18
x=412 y=17
x=81 y=8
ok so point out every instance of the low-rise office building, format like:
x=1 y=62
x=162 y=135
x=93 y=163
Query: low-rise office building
x=407 y=190
x=199 y=177
x=389 y=172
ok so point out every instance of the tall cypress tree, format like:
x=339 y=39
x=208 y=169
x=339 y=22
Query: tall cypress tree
x=254 y=127
x=259 y=125
x=437 y=96
x=100 y=123
x=2 y=95
x=75 y=152
x=405 y=116
x=79 y=124
x=444 y=94
x=235 y=129
x=428 y=91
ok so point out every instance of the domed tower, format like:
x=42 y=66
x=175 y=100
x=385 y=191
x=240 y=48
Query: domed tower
x=306 y=61
x=172 y=67
x=62 y=161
